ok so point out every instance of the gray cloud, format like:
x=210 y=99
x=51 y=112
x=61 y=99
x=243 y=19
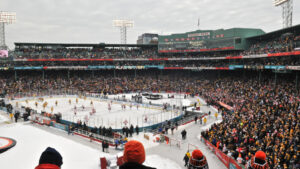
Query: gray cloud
x=90 y=21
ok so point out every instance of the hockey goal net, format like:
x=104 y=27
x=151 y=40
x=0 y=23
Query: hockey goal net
x=174 y=143
x=192 y=147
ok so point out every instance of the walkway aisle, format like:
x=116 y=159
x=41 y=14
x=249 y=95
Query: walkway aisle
x=193 y=135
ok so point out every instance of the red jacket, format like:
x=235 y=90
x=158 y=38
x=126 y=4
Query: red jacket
x=47 y=166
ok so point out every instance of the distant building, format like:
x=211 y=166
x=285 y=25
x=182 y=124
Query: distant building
x=147 y=38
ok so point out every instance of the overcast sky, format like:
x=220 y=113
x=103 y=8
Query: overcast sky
x=90 y=21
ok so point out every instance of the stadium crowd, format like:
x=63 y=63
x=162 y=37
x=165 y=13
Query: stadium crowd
x=265 y=117
x=104 y=53
x=284 y=43
x=283 y=61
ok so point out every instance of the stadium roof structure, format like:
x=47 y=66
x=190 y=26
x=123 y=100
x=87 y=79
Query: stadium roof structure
x=272 y=34
x=99 y=45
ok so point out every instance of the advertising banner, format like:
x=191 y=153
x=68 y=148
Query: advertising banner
x=293 y=67
x=227 y=161
x=3 y=53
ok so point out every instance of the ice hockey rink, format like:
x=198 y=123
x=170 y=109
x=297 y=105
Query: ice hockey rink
x=96 y=112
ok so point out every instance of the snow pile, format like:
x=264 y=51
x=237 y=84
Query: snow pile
x=147 y=143
x=160 y=163
x=3 y=118
x=32 y=141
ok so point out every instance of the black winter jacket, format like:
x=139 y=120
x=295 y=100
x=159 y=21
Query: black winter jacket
x=132 y=165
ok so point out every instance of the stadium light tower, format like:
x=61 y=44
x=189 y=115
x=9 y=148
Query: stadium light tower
x=123 y=25
x=287 y=11
x=5 y=18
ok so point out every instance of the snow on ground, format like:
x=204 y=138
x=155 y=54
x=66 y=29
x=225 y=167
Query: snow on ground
x=155 y=161
x=193 y=130
x=3 y=118
x=32 y=141
x=147 y=143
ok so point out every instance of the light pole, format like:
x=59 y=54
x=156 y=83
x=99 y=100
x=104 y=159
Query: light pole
x=5 y=18
x=123 y=25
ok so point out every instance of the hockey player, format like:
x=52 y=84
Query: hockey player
x=109 y=107
x=86 y=118
x=36 y=104
x=11 y=115
x=70 y=101
x=197 y=160
x=204 y=120
x=56 y=103
x=45 y=105
x=93 y=110
x=76 y=100
x=216 y=115
x=258 y=161
x=75 y=112
x=92 y=102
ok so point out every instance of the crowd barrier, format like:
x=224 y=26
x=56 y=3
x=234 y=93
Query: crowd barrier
x=44 y=120
x=229 y=162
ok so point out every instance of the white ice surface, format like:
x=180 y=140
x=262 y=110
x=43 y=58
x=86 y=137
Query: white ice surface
x=116 y=118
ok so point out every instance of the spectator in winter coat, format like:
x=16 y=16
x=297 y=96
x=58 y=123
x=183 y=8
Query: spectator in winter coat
x=50 y=159
x=183 y=134
x=186 y=158
x=131 y=130
x=197 y=160
x=172 y=130
x=127 y=131
x=16 y=116
x=134 y=156
x=106 y=147
x=258 y=161
x=117 y=143
x=103 y=145
x=137 y=130
x=123 y=130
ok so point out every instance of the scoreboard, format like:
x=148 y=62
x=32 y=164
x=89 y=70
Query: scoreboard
x=205 y=40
